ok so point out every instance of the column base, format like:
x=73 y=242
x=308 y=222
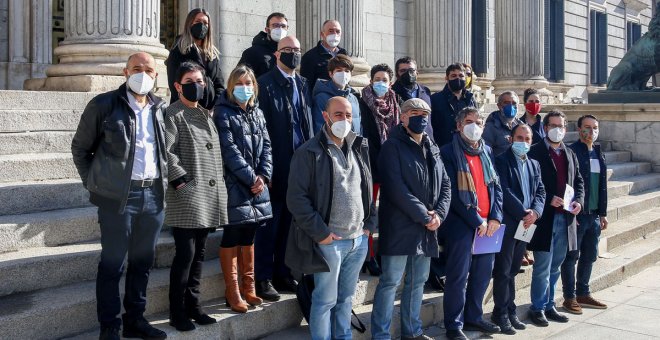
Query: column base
x=435 y=81
x=361 y=73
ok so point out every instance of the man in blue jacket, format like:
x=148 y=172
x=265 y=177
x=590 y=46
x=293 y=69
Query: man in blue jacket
x=340 y=69
x=524 y=197
x=285 y=99
x=448 y=102
x=591 y=220
x=476 y=208
x=414 y=202
x=499 y=124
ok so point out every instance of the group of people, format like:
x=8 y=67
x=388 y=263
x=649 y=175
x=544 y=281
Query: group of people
x=299 y=170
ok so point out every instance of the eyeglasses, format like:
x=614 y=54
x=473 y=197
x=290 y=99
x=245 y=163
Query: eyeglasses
x=278 y=25
x=290 y=49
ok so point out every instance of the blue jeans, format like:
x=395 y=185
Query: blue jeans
x=133 y=232
x=546 y=266
x=330 y=315
x=416 y=268
x=588 y=235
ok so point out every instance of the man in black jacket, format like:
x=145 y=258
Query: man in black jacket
x=448 y=102
x=556 y=229
x=315 y=62
x=591 y=220
x=285 y=99
x=260 y=57
x=119 y=151
x=407 y=87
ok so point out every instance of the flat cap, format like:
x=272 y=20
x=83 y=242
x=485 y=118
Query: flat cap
x=415 y=104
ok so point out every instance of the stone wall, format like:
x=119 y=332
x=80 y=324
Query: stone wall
x=388 y=31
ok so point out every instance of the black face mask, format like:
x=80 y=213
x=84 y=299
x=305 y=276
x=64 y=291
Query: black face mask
x=199 y=30
x=408 y=79
x=290 y=59
x=456 y=84
x=193 y=92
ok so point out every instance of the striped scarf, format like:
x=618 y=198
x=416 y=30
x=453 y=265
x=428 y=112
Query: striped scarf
x=466 y=189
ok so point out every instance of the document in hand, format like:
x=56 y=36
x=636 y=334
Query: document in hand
x=523 y=234
x=568 y=197
x=488 y=245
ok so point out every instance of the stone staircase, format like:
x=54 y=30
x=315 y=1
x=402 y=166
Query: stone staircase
x=49 y=238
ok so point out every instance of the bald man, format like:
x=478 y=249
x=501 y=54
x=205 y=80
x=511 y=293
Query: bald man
x=314 y=64
x=285 y=98
x=330 y=198
x=119 y=151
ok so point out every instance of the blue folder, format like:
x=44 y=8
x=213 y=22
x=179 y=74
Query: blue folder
x=488 y=245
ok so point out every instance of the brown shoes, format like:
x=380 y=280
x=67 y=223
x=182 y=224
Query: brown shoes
x=228 y=262
x=527 y=260
x=572 y=306
x=246 y=269
x=589 y=302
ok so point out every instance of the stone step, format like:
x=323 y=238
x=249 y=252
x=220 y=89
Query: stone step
x=614 y=157
x=32 y=269
x=570 y=137
x=37 y=166
x=23 y=120
x=629 y=229
x=632 y=185
x=32 y=196
x=628 y=169
x=44 y=100
x=622 y=207
x=48 y=229
x=33 y=142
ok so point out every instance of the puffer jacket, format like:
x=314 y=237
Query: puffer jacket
x=326 y=89
x=246 y=154
x=260 y=57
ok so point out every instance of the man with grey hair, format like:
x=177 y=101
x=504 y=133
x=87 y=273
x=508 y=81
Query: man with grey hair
x=413 y=205
x=500 y=123
x=314 y=63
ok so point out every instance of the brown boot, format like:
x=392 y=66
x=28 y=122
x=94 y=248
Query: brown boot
x=246 y=268
x=228 y=262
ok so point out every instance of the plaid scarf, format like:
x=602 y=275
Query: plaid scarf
x=385 y=110
x=466 y=189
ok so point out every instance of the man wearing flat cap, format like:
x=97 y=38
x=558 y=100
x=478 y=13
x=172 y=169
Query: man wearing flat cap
x=414 y=201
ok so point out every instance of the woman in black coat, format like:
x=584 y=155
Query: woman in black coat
x=246 y=154
x=196 y=44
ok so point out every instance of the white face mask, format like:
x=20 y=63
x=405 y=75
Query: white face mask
x=341 y=128
x=333 y=40
x=277 y=34
x=594 y=135
x=556 y=135
x=341 y=78
x=473 y=132
x=141 y=83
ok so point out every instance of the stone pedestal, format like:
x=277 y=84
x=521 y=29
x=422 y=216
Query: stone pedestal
x=100 y=36
x=311 y=14
x=439 y=40
x=519 y=39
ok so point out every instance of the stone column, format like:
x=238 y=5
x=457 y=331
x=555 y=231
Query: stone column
x=443 y=35
x=100 y=36
x=310 y=16
x=519 y=42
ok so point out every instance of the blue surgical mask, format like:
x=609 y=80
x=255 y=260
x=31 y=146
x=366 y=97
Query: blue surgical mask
x=509 y=111
x=243 y=93
x=520 y=149
x=381 y=88
x=418 y=124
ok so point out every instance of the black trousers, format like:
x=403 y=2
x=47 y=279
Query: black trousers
x=239 y=235
x=186 y=271
x=507 y=265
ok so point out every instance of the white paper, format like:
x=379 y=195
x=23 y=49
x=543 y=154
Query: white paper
x=568 y=197
x=523 y=234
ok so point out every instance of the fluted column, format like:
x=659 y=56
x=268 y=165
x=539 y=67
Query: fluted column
x=519 y=40
x=311 y=14
x=100 y=35
x=443 y=35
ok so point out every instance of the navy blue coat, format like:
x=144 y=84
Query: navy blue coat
x=423 y=93
x=462 y=222
x=408 y=192
x=245 y=154
x=444 y=107
x=496 y=134
x=275 y=100
x=514 y=211
x=582 y=153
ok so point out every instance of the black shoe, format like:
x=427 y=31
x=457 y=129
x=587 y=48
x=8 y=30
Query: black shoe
x=141 y=328
x=516 y=323
x=538 y=318
x=436 y=283
x=202 y=318
x=286 y=284
x=456 y=334
x=109 y=333
x=266 y=291
x=482 y=326
x=504 y=324
x=372 y=267
x=182 y=324
x=552 y=314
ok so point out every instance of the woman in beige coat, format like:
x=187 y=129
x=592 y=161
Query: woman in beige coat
x=197 y=196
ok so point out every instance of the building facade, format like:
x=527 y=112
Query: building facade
x=566 y=47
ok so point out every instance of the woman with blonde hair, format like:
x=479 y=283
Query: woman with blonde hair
x=246 y=155
x=196 y=44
